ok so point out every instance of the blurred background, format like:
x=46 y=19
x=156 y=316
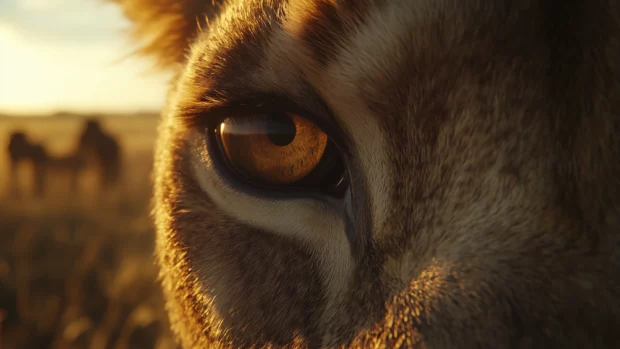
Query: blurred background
x=77 y=126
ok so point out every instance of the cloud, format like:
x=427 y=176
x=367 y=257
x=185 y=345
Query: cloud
x=44 y=5
x=9 y=34
x=66 y=62
x=80 y=21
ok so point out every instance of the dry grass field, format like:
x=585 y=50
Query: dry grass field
x=77 y=272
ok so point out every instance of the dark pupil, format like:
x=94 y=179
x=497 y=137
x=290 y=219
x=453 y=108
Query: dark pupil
x=281 y=130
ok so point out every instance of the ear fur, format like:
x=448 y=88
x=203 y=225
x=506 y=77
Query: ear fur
x=165 y=29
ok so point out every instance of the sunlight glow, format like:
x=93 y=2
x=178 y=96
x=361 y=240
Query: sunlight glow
x=39 y=5
x=40 y=73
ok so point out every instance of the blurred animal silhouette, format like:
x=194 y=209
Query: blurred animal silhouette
x=99 y=148
x=22 y=151
x=94 y=148
x=69 y=166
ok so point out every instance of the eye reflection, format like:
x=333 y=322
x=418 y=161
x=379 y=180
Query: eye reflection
x=275 y=149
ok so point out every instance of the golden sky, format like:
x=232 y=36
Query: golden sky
x=68 y=55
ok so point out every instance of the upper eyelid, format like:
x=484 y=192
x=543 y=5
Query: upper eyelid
x=213 y=114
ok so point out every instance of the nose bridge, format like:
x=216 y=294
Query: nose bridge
x=370 y=179
x=409 y=236
x=382 y=209
x=392 y=138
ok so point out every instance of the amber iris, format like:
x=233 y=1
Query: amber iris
x=276 y=149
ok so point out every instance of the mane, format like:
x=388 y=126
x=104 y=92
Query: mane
x=164 y=29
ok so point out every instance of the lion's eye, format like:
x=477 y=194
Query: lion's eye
x=280 y=150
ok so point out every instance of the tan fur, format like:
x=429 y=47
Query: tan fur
x=484 y=165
